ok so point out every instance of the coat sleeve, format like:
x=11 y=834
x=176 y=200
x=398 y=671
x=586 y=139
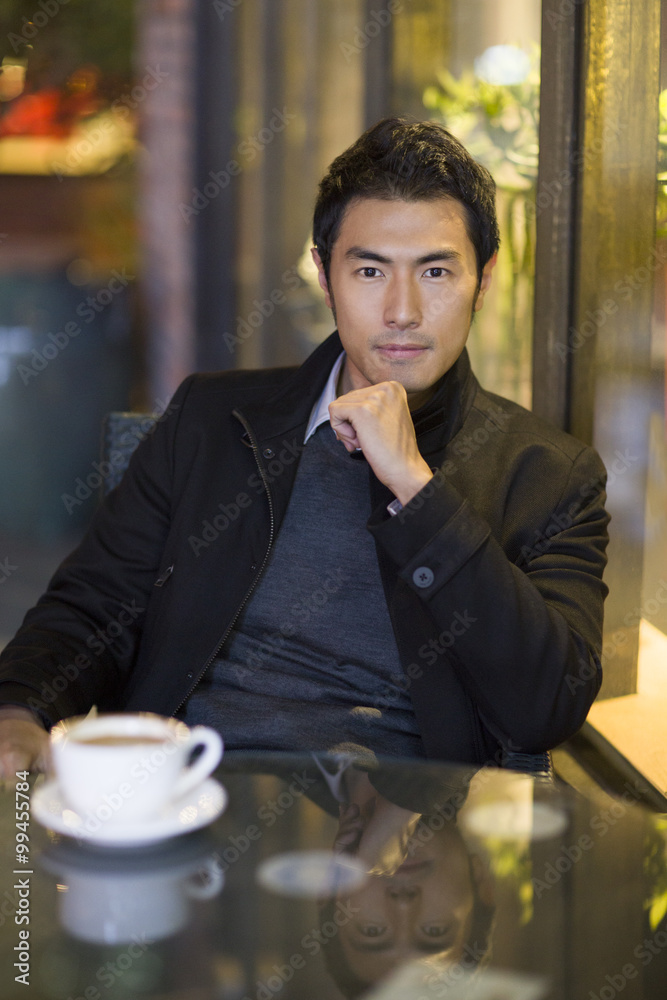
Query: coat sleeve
x=530 y=625
x=77 y=646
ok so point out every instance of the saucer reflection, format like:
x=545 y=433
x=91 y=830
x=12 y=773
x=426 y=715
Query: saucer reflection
x=114 y=898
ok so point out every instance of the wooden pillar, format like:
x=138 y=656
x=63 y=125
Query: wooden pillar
x=595 y=264
x=555 y=209
x=217 y=163
x=610 y=341
x=166 y=48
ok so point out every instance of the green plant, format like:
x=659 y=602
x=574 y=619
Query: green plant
x=498 y=123
x=661 y=206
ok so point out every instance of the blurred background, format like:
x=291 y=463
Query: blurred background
x=158 y=165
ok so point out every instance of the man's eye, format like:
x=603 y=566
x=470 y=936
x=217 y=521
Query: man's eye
x=372 y=930
x=370 y=272
x=436 y=272
x=434 y=930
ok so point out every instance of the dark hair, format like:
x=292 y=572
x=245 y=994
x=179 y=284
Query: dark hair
x=407 y=160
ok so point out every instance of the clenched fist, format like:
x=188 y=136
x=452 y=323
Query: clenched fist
x=377 y=419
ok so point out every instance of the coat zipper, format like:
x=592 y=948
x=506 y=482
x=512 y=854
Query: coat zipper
x=255 y=450
x=162 y=579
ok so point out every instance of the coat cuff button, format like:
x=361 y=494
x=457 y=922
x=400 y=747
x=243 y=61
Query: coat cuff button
x=423 y=577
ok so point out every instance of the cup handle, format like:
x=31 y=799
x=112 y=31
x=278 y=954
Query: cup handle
x=212 y=880
x=207 y=761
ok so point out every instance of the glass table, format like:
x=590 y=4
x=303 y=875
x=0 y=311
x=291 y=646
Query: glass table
x=329 y=878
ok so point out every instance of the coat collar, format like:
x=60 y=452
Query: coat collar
x=439 y=420
x=287 y=409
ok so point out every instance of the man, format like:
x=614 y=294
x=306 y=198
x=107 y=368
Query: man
x=431 y=586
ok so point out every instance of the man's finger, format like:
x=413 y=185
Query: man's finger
x=346 y=433
x=12 y=761
x=24 y=745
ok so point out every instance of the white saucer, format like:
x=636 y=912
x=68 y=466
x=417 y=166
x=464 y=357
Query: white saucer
x=196 y=809
x=311 y=874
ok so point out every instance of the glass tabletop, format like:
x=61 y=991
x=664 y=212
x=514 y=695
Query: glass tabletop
x=331 y=877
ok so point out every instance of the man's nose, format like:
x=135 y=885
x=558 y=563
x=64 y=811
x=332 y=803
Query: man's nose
x=403 y=308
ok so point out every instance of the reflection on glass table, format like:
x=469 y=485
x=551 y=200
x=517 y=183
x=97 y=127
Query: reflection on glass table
x=347 y=877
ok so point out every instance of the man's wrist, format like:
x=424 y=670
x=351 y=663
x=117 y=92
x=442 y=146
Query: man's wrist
x=409 y=487
x=20 y=713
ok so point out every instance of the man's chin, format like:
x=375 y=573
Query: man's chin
x=418 y=382
x=419 y=391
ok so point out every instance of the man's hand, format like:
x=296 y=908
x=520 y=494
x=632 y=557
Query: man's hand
x=377 y=420
x=373 y=829
x=23 y=742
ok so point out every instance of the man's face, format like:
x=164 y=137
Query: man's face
x=403 y=285
x=424 y=909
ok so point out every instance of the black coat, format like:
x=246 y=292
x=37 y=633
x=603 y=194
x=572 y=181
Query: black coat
x=492 y=574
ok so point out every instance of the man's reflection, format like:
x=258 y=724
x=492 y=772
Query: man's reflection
x=427 y=894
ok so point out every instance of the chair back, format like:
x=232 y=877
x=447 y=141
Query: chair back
x=538 y=764
x=121 y=433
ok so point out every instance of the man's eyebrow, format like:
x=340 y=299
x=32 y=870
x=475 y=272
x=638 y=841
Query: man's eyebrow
x=448 y=254
x=362 y=253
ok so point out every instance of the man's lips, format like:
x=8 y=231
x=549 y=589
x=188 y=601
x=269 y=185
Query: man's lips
x=401 y=350
x=412 y=868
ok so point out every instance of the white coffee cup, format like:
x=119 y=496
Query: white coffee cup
x=117 y=908
x=129 y=769
x=108 y=899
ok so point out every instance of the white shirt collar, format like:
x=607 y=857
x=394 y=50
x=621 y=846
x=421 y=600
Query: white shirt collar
x=320 y=412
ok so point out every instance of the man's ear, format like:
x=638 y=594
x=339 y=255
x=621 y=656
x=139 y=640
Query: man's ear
x=322 y=278
x=485 y=282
